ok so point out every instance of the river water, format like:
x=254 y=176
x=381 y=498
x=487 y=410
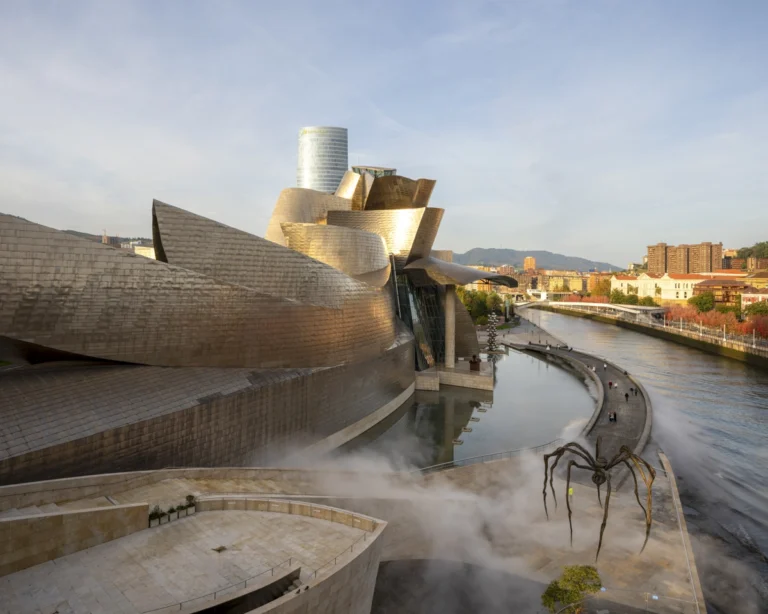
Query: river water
x=531 y=404
x=711 y=419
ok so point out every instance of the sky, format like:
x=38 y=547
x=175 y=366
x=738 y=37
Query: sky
x=591 y=128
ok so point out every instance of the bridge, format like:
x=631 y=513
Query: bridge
x=630 y=313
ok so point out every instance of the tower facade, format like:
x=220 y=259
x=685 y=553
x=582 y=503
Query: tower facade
x=323 y=158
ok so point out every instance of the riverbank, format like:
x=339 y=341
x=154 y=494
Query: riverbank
x=729 y=349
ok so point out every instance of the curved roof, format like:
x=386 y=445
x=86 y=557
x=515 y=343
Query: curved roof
x=398 y=192
x=304 y=206
x=449 y=273
x=359 y=254
x=82 y=297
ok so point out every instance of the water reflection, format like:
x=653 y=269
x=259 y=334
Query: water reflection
x=531 y=404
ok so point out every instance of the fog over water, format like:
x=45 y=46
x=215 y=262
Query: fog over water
x=711 y=419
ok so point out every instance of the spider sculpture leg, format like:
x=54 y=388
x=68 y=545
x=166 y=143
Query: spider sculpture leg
x=605 y=516
x=568 y=489
x=648 y=481
x=558 y=454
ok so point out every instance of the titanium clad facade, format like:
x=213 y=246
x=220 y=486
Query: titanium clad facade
x=361 y=255
x=323 y=158
x=73 y=295
x=60 y=420
x=304 y=207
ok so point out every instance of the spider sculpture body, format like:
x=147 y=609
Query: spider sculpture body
x=600 y=468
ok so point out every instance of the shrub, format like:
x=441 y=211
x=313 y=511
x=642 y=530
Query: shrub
x=155 y=513
x=171 y=510
x=575 y=585
x=191 y=500
x=482 y=320
x=181 y=508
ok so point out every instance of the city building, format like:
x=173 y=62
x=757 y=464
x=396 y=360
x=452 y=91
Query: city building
x=667 y=289
x=750 y=296
x=733 y=263
x=230 y=353
x=323 y=158
x=727 y=292
x=756 y=264
x=529 y=263
x=705 y=257
x=657 y=258
x=595 y=278
x=758 y=279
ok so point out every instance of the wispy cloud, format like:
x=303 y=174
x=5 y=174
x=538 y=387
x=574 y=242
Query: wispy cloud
x=592 y=130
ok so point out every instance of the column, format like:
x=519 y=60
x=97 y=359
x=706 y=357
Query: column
x=450 y=326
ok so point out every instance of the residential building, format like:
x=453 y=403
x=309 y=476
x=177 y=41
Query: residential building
x=657 y=258
x=705 y=257
x=756 y=264
x=529 y=263
x=757 y=280
x=730 y=253
x=677 y=259
x=681 y=259
x=667 y=289
x=595 y=278
x=736 y=264
x=727 y=292
x=323 y=158
x=625 y=283
x=750 y=296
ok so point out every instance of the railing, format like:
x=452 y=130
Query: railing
x=750 y=344
x=244 y=584
x=238 y=586
x=486 y=458
x=637 y=600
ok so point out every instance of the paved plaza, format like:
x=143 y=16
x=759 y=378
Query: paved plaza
x=175 y=562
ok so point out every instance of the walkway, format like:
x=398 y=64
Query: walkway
x=174 y=562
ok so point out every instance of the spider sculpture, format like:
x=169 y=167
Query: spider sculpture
x=600 y=469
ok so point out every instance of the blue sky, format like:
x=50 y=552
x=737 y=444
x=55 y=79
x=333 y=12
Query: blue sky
x=589 y=127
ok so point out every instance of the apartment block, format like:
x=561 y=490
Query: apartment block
x=684 y=259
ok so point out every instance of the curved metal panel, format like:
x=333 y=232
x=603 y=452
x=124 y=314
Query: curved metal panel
x=353 y=188
x=236 y=257
x=448 y=273
x=398 y=228
x=398 y=192
x=137 y=417
x=426 y=233
x=357 y=253
x=302 y=206
x=82 y=297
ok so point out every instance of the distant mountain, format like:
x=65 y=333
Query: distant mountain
x=544 y=260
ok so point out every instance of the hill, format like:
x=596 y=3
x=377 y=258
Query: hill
x=544 y=259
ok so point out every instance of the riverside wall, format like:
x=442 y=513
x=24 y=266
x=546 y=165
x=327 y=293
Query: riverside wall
x=723 y=348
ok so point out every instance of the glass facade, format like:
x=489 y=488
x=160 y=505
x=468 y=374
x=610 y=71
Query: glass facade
x=421 y=310
x=323 y=158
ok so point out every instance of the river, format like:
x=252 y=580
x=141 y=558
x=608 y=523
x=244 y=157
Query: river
x=711 y=419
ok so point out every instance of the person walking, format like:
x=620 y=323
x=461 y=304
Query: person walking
x=610 y=385
x=626 y=396
x=605 y=366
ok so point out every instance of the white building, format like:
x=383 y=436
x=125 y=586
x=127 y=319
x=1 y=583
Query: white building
x=666 y=289
x=323 y=158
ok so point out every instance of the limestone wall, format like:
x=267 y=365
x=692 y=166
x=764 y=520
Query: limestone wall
x=26 y=541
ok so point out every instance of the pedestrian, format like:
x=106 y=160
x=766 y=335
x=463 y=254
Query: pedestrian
x=615 y=417
x=570 y=493
x=610 y=385
x=626 y=396
x=605 y=366
x=635 y=391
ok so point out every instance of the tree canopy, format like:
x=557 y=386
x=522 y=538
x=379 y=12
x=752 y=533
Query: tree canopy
x=758 y=250
x=575 y=585
x=602 y=288
x=703 y=302
x=480 y=304
x=757 y=309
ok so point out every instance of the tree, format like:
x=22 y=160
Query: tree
x=757 y=309
x=618 y=297
x=703 y=302
x=494 y=303
x=575 y=585
x=647 y=301
x=758 y=250
x=631 y=299
x=602 y=287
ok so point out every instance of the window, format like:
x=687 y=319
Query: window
x=685 y=295
x=677 y=295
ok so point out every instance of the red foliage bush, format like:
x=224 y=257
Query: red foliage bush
x=715 y=319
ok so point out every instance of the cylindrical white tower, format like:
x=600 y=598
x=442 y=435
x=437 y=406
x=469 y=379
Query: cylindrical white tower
x=323 y=157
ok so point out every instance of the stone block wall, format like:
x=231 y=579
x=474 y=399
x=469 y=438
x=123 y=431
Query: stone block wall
x=26 y=541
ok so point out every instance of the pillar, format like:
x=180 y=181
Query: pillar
x=450 y=326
